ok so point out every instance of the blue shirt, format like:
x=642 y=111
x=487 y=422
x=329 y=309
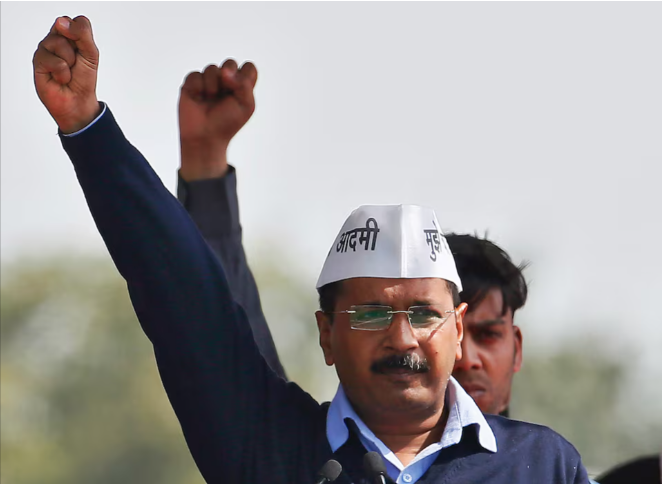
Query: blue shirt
x=463 y=412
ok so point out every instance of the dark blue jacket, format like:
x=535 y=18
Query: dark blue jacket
x=243 y=423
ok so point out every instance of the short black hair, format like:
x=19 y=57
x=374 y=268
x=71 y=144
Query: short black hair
x=482 y=265
x=329 y=293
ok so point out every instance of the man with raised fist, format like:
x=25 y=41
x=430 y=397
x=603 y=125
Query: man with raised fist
x=213 y=106
x=393 y=339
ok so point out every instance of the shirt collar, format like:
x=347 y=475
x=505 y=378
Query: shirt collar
x=463 y=412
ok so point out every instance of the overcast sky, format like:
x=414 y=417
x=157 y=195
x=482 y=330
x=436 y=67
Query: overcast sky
x=540 y=123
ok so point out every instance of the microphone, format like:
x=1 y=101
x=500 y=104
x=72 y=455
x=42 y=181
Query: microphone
x=375 y=469
x=329 y=472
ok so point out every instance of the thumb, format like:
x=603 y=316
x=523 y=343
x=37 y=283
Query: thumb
x=79 y=30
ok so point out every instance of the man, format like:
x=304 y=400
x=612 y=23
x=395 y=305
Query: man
x=494 y=288
x=213 y=107
x=390 y=322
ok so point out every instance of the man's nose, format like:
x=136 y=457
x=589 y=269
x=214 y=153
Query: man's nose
x=401 y=336
x=470 y=357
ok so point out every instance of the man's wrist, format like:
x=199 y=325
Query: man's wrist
x=212 y=203
x=82 y=120
x=191 y=172
x=203 y=163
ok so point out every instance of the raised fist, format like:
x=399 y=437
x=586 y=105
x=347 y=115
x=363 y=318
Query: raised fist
x=213 y=107
x=65 y=73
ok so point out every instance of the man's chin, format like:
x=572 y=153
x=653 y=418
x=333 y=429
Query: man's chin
x=408 y=402
x=483 y=400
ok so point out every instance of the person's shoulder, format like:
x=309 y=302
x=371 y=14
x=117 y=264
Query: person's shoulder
x=515 y=433
x=540 y=447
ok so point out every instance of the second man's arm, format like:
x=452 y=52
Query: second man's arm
x=213 y=106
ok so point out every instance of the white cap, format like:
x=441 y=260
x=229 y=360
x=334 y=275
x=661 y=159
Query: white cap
x=390 y=241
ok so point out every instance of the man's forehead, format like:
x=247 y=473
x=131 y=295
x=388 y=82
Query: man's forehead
x=490 y=308
x=423 y=290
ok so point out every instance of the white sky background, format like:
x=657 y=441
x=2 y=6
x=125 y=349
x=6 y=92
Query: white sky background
x=539 y=122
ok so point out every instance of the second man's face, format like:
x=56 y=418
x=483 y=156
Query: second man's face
x=491 y=354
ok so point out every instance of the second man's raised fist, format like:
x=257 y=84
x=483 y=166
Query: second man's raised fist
x=213 y=106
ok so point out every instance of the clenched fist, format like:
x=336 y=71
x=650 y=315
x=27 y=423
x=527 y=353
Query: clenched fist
x=213 y=106
x=65 y=73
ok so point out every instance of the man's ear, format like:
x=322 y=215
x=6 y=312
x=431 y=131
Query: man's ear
x=518 y=349
x=324 y=326
x=460 y=311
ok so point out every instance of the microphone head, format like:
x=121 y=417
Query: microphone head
x=330 y=471
x=373 y=465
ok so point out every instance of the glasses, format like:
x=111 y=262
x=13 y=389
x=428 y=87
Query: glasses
x=376 y=318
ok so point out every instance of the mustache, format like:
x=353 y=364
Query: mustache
x=411 y=361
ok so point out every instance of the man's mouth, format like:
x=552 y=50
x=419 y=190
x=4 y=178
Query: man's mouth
x=474 y=390
x=401 y=376
x=398 y=371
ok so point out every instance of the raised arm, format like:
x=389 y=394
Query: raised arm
x=233 y=409
x=213 y=106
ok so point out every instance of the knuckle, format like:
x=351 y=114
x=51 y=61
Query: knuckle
x=48 y=41
x=83 y=21
x=60 y=43
x=55 y=42
x=58 y=65
x=194 y=79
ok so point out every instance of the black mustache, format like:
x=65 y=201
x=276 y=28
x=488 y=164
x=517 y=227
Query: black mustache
x=410 y=361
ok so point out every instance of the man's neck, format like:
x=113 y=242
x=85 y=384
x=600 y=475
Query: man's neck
x=407 y=441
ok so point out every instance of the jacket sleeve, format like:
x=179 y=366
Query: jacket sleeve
x=214 y=207
x=233 y=409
